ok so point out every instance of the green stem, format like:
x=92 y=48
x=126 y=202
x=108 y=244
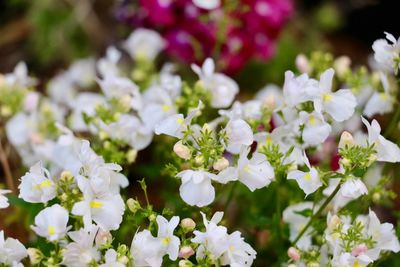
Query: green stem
x=327 y=201
x=393 y=123
x=230 y=196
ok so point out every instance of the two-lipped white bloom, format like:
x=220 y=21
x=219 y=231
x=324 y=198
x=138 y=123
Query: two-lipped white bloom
x=144 y=44
x=207 y=4
x=148 y=250
x=308 y=181
x=216 y=241
x=36 y=185
x=255 y=173
x=386 y=150
x=387 y=54
x=223 y=89
x=51 y=223
x=11 y=251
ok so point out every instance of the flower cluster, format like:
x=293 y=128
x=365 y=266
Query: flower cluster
x=194 y=30
x=311 y=150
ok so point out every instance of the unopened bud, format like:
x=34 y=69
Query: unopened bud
x=66 y=175
x=103 y=237
x=124 y=260
x=376 y=197
x=152 y=217
x=103 y=135
x=346 y=139
x=186 y=252
x=188 y=224
x=345 y=162
x=293 y=253
x=31 y=100
x=125 y=102
x=342 y=65
x=181 y=150
x=185 y=263
x=131 y=155
x=5 y=111
x=133 y=205
x=302 y=64
x=313 y=264
x=206 y=127
x=199 y=160
x=221 y=164
x=35 y=255
x=269 y=102
x=359 y=250
x=334 y=222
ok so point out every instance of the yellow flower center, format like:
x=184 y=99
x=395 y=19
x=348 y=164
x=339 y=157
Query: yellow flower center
x=96 y=204
x=179 y=120
x=268 y=140
x=44 y=184
x=307 y=176
x=246 y=168
x=356 y=264
x=383 y=97
x=166 y=240
x=312 y=120
x=166 y=108
x=327 y=97
x=51 y=230
x=232 y=248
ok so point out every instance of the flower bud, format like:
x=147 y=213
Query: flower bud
x=372 y=159
x=133 y=205
x=181 y=150
x=334 y=222
x=124 y=260
x=359 y=250
x=342 y=65
x=35 y=255
x=345 y=162
x=206 y=127
x=103 y=237
x=188 y=224
x=31 y=100
x=5 y=111
x=303 y=64
x=131 y=155
x=313 y=264
x=36 y=138
x=186 y=252
x=66 y=175
x=293 y=253
x=185 y=263
x=221 y=164
x=346 y=139
x=152 y=217
x=269 y=102
x=376 y=197
x=199 y=160
x=125 y=102
x=103 y=135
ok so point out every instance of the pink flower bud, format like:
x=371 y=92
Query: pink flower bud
x=31 y=101
x=103 y=237
x=346 y=139
x=359 y=250
x=181 y=150
x=221 y=164
x=293 y=253
x=303 y=64
x=185 y=252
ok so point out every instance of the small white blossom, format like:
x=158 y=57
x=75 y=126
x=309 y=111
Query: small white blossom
x=51 y=223
x=3 y=199
x=207 y=4
x=36 y=185
x=144 y=44
x=170 y=243
x=111 y=259
x=146 y=250
x=387 y=54
x=11 y=251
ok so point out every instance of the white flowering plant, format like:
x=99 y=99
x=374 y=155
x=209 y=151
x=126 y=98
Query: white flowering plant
x=303 y=171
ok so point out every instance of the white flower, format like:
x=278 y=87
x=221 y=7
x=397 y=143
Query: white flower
x=3 y=199
x=383 y=234
x=339 y=105
x=239 y=134
x=122 y=88
x=170 y=243
x=107 y=66
x=11 y=251
x=315 y=130
x=196 y=188
x=111 y=259
x=215 y=238
x=255 y=173
x=309 y=181
x=36 y=186
x=207 y=4
x=386 y=150
x=144 y=44
x=239 y=253
x=176 y=124
x=380 y=102
x=353 y=189
x=223 y=89
x=19 y=77
x=146 y=250
x=299 y=89
x=106 y=210
x=51 y=223
x=81 y=251
x=387 y=54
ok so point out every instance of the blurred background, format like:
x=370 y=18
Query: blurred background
x=49 y=35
